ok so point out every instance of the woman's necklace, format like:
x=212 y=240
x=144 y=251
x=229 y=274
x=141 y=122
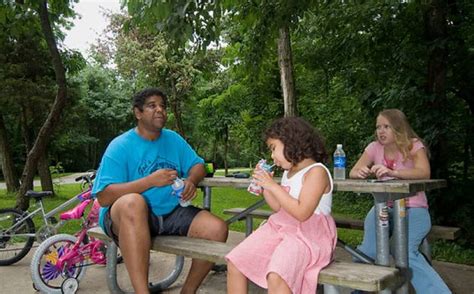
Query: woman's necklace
x=390 y=163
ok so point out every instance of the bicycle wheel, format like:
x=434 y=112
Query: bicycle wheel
x=47 y=277
x=14 y=241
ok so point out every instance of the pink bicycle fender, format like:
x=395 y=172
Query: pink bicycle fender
x=75 y=213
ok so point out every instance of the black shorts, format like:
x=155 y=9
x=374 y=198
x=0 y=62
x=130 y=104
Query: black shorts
x=175 y=223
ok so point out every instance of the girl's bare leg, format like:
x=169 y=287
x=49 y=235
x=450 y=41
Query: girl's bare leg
x=276 y=284
x=236 y=281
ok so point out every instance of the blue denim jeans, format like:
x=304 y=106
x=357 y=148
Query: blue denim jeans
x=424 y=278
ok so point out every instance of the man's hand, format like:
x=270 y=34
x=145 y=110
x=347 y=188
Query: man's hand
x=189 y=191
x=163 y=177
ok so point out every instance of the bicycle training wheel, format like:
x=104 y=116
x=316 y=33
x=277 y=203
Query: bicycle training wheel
x=46 y=275
x=16 y=238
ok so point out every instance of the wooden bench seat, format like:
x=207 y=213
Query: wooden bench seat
x=349 y=275
x=437 y=232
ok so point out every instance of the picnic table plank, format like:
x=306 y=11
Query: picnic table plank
x=350 y=185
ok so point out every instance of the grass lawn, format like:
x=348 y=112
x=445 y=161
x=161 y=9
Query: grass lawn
x=222 y=198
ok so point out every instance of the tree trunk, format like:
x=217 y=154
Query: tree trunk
x=8 y=168
x=27 y=135
x=44 y=173
x=436 y=31
x=285 y=64
x=54 y=116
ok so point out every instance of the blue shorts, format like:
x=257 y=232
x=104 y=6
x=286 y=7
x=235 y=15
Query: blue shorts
x=175 y=223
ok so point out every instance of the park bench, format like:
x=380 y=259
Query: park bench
x=338 y=274
x=436 y=233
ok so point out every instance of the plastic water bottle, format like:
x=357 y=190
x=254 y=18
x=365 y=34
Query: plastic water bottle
x=178 y=188
x=339 y=163
x=253 y=187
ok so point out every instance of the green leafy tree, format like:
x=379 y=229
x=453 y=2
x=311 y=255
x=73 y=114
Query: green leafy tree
x=150 y=60
x=202 y=22
x=59 y=8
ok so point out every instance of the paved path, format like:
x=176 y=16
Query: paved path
x=62 y=180
x=17 y=279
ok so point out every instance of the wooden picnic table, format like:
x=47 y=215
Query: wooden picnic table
x=395 y=190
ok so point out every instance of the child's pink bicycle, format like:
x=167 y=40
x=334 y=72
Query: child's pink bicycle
x=61 y=261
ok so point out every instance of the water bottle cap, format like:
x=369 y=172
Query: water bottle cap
x=339 y=145
x=177 y=183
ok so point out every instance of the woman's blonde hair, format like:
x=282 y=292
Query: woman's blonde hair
x=404 y=134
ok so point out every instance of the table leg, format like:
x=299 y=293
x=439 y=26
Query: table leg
x=400 y=235
x=382 y=233
x=206 y=199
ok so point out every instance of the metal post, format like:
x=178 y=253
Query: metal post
x=400 y=236
x=246 y=211
x=206 y=199
x=382 y=227
x=248 y=225
x=355 y=252
x=331 y=289
x=111 y=255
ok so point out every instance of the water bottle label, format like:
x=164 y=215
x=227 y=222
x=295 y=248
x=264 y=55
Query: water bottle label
x=179 y=192
x=339 y=161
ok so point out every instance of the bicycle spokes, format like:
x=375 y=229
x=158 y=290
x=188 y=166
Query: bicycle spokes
x=51 y=269
x=16 y=235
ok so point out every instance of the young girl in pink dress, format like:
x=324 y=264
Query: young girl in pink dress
x=287 y=253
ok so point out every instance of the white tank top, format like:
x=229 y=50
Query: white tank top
x=296 y=182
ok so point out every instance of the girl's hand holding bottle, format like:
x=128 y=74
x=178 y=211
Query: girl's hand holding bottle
x=264 y=179
x=262 y=166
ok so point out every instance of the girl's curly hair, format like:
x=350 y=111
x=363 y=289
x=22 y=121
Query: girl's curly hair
x=301 y=140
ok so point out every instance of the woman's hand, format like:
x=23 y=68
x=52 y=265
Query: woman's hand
x=380 y=171
x=362 y=172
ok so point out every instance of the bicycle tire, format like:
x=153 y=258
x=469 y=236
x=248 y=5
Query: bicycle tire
x=14 y=248
x=46 y=277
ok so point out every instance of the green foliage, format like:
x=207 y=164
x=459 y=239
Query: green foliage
x=56 y=169
x=100 y=110
x=183 y=20
x=452 y=252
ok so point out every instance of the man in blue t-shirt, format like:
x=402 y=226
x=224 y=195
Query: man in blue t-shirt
x=133 y=186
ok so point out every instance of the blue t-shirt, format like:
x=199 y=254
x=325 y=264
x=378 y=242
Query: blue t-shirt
x=130 y=157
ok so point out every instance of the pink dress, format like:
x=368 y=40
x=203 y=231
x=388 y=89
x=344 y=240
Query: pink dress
x=296 y=251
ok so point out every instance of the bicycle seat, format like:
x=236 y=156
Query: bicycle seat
x=76 y=212
x=38 y=195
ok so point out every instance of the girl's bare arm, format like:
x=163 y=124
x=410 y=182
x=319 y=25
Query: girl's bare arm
x=315 y=184
x=361 y=169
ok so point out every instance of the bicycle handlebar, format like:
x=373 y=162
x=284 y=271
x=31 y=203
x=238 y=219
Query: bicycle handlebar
x=87 y=178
